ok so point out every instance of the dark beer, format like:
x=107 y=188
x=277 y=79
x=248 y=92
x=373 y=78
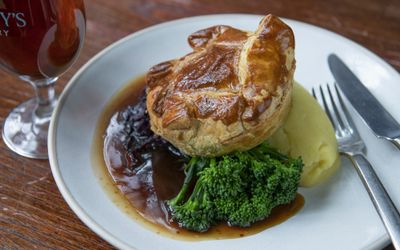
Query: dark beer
x=40 y=38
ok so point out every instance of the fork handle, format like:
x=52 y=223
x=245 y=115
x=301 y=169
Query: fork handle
x=380 y=198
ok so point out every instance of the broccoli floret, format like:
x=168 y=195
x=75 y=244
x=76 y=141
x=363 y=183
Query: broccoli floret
x=240 y=188
x=197 y=212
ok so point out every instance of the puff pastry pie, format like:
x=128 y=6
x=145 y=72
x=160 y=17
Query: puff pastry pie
x=231 y=93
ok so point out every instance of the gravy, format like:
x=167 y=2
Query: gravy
x=141 y=171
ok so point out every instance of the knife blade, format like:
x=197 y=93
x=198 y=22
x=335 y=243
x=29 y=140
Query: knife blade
x=371 y=111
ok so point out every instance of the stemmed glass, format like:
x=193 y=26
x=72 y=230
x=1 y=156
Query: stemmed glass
x=39 y=40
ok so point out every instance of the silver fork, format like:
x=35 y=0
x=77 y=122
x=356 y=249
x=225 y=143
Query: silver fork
x=352 y=146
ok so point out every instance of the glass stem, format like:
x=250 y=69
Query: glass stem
x=45 y=97
x=45 y=103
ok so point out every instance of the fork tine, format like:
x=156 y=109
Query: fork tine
x=350 y=124
x=335 y=109
x=327 y=110
x=313 y=93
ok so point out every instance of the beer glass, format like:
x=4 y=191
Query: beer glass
x=39 y=40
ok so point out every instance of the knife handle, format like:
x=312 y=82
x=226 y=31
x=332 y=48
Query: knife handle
x=396 y=142
x=380 y=198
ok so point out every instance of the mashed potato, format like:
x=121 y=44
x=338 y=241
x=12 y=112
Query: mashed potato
x=309 y=134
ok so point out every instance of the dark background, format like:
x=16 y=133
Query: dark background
x=32 y=212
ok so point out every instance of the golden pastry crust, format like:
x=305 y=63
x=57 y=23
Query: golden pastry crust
x=230 y=93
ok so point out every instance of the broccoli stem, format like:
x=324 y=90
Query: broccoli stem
x=190 y=172
x=192 y=168
x=261 y=151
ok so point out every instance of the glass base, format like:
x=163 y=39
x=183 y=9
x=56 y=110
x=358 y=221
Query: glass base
x=24 y=137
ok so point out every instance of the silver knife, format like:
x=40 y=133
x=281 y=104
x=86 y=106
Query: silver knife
x=371 y=111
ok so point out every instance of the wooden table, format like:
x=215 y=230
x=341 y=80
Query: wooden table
x=32 y=212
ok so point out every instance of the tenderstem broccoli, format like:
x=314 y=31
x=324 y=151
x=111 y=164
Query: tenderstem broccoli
x=240 y=188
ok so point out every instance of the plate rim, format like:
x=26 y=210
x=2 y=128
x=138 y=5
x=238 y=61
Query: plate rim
x=55 y=168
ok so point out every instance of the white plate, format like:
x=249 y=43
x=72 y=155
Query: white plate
x=336 y=215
